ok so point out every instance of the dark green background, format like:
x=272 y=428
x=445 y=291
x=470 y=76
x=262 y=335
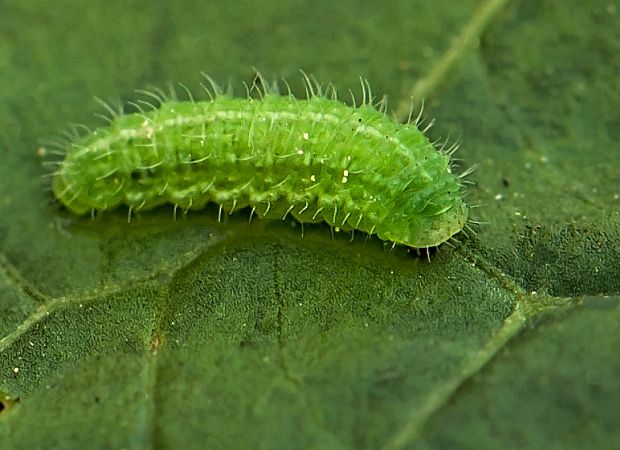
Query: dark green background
x=194 y=334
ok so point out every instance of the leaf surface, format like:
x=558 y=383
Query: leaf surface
x=198 y=334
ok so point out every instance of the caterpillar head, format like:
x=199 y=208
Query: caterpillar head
x=426 y=217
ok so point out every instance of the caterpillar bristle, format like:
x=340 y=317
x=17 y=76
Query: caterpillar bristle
x=248 y=91
x=382 y=105
x=454 y=241
x=469 y=229
x=259 y=85
x=307 y=84
x=477 y=222
x=331 y=92
x=160 y=93
x=429 y=126
x=48 y=152
x=418 y=118
x=137 y=107
x=172 y=92
x=147 y=103
x=188 y=93
x=70 y=134
x=449 y=244
x=105 y=118
x=469 y=171
x=454 y=148
x=108 y=107
x=217 y=89
x=289 y=92
x=80 y=126
x=55 y=144
x=353 y=101
x=150 y=94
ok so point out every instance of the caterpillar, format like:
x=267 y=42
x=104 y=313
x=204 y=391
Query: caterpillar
x=315 y=159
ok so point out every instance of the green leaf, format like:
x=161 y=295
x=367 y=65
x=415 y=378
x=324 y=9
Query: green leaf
x=199 y=334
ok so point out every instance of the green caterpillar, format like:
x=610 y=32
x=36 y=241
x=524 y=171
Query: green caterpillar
x=315 y=159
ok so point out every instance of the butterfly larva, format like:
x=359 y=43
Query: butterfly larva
x=316 y=159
